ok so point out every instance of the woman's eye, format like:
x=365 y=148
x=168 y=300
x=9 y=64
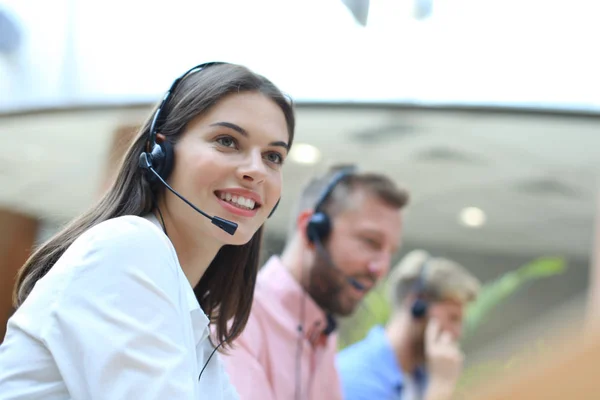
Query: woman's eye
x=226 y=141
x=275 y=158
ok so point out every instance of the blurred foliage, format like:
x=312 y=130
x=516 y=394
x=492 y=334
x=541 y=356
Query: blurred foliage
x=493 y=294
x=499 y=290
x=376 y=308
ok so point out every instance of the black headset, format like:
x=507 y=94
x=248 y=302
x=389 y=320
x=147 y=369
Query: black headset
x=319 y=225
x=158 y=158
x=161 y=156
x=420 y=306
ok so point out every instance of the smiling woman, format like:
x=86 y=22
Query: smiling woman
x=118 y=304
x=242 y=142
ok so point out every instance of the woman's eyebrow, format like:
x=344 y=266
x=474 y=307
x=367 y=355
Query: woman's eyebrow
x=244 y=133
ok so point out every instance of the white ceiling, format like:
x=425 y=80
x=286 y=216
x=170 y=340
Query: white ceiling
x=534 y=174
x=463 y=53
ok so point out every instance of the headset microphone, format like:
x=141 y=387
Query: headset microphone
x=228 y=226
x=325 y=254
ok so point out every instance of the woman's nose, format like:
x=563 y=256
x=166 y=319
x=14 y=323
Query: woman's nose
x=254 y=169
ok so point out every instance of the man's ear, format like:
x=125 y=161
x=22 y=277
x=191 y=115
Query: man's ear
x=302 y=223
x=160 y=138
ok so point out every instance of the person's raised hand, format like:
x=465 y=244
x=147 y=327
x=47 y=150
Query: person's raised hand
x=444 y=360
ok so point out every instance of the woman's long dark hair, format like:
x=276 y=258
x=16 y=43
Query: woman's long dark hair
x=226 y=290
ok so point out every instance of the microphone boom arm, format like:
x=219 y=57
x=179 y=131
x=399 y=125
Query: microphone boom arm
x=228 y=226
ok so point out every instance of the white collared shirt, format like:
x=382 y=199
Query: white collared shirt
x=115 y=318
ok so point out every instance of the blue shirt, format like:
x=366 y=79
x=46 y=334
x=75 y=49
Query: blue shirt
x=369 y=370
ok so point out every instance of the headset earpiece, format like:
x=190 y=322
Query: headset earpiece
x=319 y=225
x=419 y=308
x=161 y=159
x=318 y=228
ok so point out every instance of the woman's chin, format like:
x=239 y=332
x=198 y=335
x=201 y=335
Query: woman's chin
x=241 y=237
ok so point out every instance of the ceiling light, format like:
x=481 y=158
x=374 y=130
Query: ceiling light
x=304 y=153
x=472 y=217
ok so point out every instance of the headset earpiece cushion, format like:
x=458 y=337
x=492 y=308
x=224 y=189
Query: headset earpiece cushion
x=419 y=308
x=318 y=227
x=162 y=157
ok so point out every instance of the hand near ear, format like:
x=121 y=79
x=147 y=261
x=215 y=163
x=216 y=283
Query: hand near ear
x=444 y=362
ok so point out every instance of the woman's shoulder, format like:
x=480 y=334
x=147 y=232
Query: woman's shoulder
x=118 y=261
x=122 y=250
x=126 y=225
x=128 y=231
x=128 y=240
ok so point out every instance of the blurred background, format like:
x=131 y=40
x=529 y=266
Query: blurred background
x=487 y=111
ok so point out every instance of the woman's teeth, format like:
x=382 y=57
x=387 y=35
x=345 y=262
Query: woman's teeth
x=238 y=201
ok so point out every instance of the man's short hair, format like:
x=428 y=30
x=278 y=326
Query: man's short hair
x=442 y=279
x=373 y=183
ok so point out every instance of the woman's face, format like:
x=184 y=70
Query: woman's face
x=228 y=163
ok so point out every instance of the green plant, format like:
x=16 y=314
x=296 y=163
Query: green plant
x=499 y=290
x=493 y=294
x=374 y=310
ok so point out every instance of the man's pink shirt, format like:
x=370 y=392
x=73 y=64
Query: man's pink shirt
x=264 y=363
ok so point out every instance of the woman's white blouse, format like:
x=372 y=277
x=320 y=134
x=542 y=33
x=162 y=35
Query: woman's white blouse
x=115 y=318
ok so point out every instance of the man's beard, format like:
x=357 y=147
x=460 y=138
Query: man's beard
x=325 y=286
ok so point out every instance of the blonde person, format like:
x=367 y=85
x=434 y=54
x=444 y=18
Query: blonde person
x=416 y=356
x=118 y=304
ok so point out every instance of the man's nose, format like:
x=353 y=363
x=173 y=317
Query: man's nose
x=380 y=266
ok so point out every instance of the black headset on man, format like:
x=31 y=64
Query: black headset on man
x=320 y=224
x=420 y=305
x=158 y=161
x=319 y=228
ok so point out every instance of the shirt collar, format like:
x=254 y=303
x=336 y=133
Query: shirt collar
x=278 y=282
x=200 y=321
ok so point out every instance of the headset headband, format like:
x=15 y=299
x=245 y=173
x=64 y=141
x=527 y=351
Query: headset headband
x=346 y=171
x=156 y=123
x=421 y=283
